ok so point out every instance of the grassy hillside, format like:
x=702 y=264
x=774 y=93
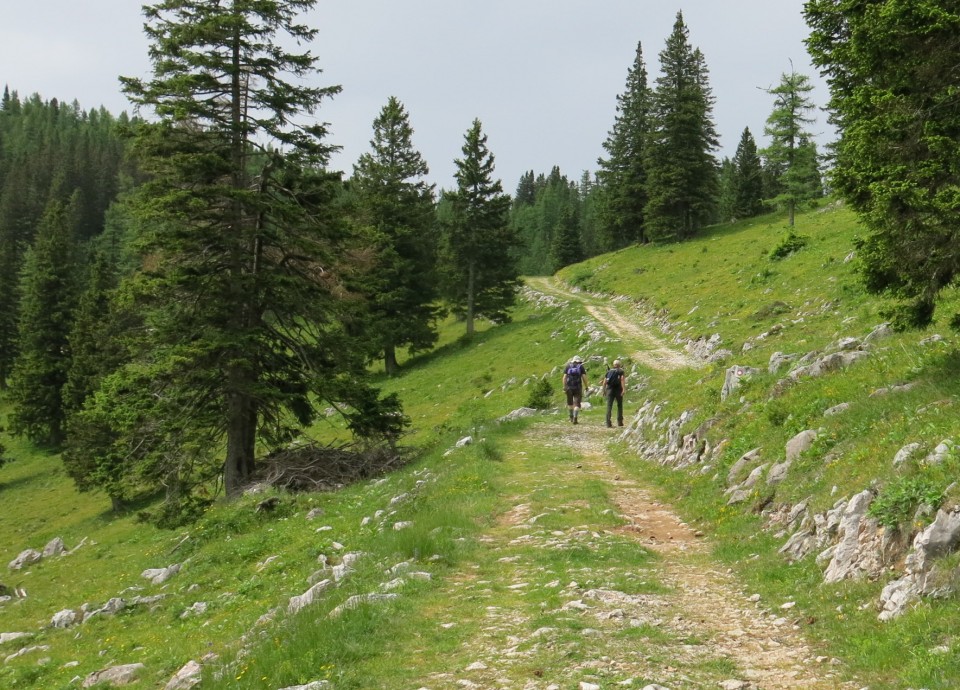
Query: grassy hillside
x=243 y=564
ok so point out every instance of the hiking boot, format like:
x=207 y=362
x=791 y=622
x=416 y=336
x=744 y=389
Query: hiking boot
x=574 y=420
x=609 y=425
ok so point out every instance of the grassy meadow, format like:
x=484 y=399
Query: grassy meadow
x=737 y=281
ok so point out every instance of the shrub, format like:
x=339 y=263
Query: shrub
x=541 y=395
x=791 y=243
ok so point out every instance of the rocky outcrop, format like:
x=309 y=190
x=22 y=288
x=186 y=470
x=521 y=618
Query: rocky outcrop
x=186 y=677
x=922 y=575
x=733 y=378
x=25 y=558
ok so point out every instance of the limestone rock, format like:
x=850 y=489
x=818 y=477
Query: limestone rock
x=158 y=576
x=836 y=409
x=186 y=677
x=300 y=601
x=519 y=413
x=733 y=378
x=855 y=554
x=799 y=443
x=26 y=557
x=54 y=547
x=64 y=618
x=358 y=599
x=905 y=453
x=115 y=675
x=12 y=636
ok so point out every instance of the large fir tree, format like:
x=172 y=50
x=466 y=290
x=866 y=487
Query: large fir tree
x=681 y=169
x=242 y=259
x=48 y=290
x=481 y=277
x=622 y=174
x=396 y=203
x=891 y=67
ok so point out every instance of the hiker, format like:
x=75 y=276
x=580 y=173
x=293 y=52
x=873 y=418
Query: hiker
x=574 y=383
x=614 y=383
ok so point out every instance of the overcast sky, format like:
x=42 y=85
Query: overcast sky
x=541 y=75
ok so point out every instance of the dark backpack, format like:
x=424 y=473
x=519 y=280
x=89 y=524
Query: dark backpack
x=573 y=377
x=613 y=380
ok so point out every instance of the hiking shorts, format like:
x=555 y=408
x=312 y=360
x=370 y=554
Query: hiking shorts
x=574 y=396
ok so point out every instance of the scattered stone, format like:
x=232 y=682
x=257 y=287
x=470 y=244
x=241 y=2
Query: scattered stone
x=54 y=547
x=800 y=443
x=158 y=576
x=64 y=619
x=519 y=413
x=734 y=684
x=935 y=338
x=944 y=450
x=198 y=609
x=836 y=409
x=300 y=601
x=268 y=505
x=905 y=453
x=26 y=557
x=12 y=636
x=465 y=441
x=315 y=513
x=27 y=650
x=358 y=599
x=402 y=525
x=115 y=675
x=477 y=666
x=584 y=685
x=315 y=685
x=186 y=677
x=734 y=376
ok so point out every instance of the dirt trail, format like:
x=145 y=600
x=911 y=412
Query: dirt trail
x=652 y=352
x=762 y=639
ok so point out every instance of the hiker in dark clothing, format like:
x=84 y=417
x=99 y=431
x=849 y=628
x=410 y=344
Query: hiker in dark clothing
x=614 y=383
x=574 y=383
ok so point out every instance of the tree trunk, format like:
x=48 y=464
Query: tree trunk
x=241 y=436
x=471 y=295
x=390 y=359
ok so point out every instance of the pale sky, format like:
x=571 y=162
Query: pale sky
x=541 y=75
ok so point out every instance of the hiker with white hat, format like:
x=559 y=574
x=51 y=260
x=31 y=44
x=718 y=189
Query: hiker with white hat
x=574 y=383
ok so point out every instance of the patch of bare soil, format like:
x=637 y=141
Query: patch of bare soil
x=653 y=351
x=761 y=638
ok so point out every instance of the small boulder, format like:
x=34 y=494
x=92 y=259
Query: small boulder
x=64 y=619
x=54 y=547
x=158 y=576
x=26 y=557
x=115 y=675
x=186 y=677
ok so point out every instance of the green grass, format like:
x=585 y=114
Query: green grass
x=724 y=282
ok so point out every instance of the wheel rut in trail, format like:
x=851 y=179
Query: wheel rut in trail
x=652 y=352
x=705 y=600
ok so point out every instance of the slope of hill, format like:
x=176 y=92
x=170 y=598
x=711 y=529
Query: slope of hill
x=546 y=555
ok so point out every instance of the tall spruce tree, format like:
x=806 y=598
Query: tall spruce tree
x=748 y=177
x=567 y=247
x=48 y=297
x=622 y=175
x=682 y=171
x=396 y=202
x=891 y=67
x=243 y=256
x=786 y=127
x=481 y=277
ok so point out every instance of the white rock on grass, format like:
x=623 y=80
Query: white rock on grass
x=158 y=576
x=25 y=558
x=186 y=677
x=298 y=602
x=358 y=599
x=11 y=636
x=115 y=675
